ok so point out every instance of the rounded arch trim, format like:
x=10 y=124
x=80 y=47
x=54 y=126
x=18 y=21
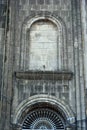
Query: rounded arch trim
x=61 y=105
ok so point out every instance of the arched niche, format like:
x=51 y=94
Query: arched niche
x=43 y=49
x=43 y=45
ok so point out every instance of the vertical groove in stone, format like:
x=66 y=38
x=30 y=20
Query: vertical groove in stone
x=81 y=61
x=75 y=42
x=3 y=43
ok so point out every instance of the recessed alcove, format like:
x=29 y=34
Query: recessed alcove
x=43 y=45
x=43 y=36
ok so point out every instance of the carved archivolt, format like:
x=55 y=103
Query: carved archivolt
x=45 y=101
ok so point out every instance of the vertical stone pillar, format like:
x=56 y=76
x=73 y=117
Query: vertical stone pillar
x=84 y=40
x=84 y=34
x=79 y=64
x=81 y=122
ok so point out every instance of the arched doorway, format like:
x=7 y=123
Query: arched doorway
x=43 y=112
x=44 y=116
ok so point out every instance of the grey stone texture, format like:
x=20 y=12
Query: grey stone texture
x=16 y=41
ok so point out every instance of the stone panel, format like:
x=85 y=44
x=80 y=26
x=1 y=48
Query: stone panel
x=43 y=46
x=47 y=1
x=25 y=89
x=1 y=68
x=32 y=2
x=56 y=1
x=40 y=1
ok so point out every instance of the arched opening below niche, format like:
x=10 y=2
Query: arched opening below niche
x=44 y=116
x=40 y=109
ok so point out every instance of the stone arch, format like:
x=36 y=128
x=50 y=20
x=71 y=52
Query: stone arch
x=62 y=57
x=40 y=100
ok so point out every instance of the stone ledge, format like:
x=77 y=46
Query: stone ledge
x=44 y=75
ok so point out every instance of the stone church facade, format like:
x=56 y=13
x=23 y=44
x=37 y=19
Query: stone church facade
x=43 y=59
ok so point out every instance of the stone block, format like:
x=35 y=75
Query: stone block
x=47 y=1
x=1 y=66
x=32 y=2
x=40 y=1
x=56 y=2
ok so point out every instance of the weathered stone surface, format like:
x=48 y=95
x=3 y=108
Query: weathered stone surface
x=32 y=2
x=1 y=69
x=44 y=35
x=56 y=2
x=43 y=46
x=47 y=1
x=40 y=1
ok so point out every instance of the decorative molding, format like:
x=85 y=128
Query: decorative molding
x=44 y=75
x=39 y=100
